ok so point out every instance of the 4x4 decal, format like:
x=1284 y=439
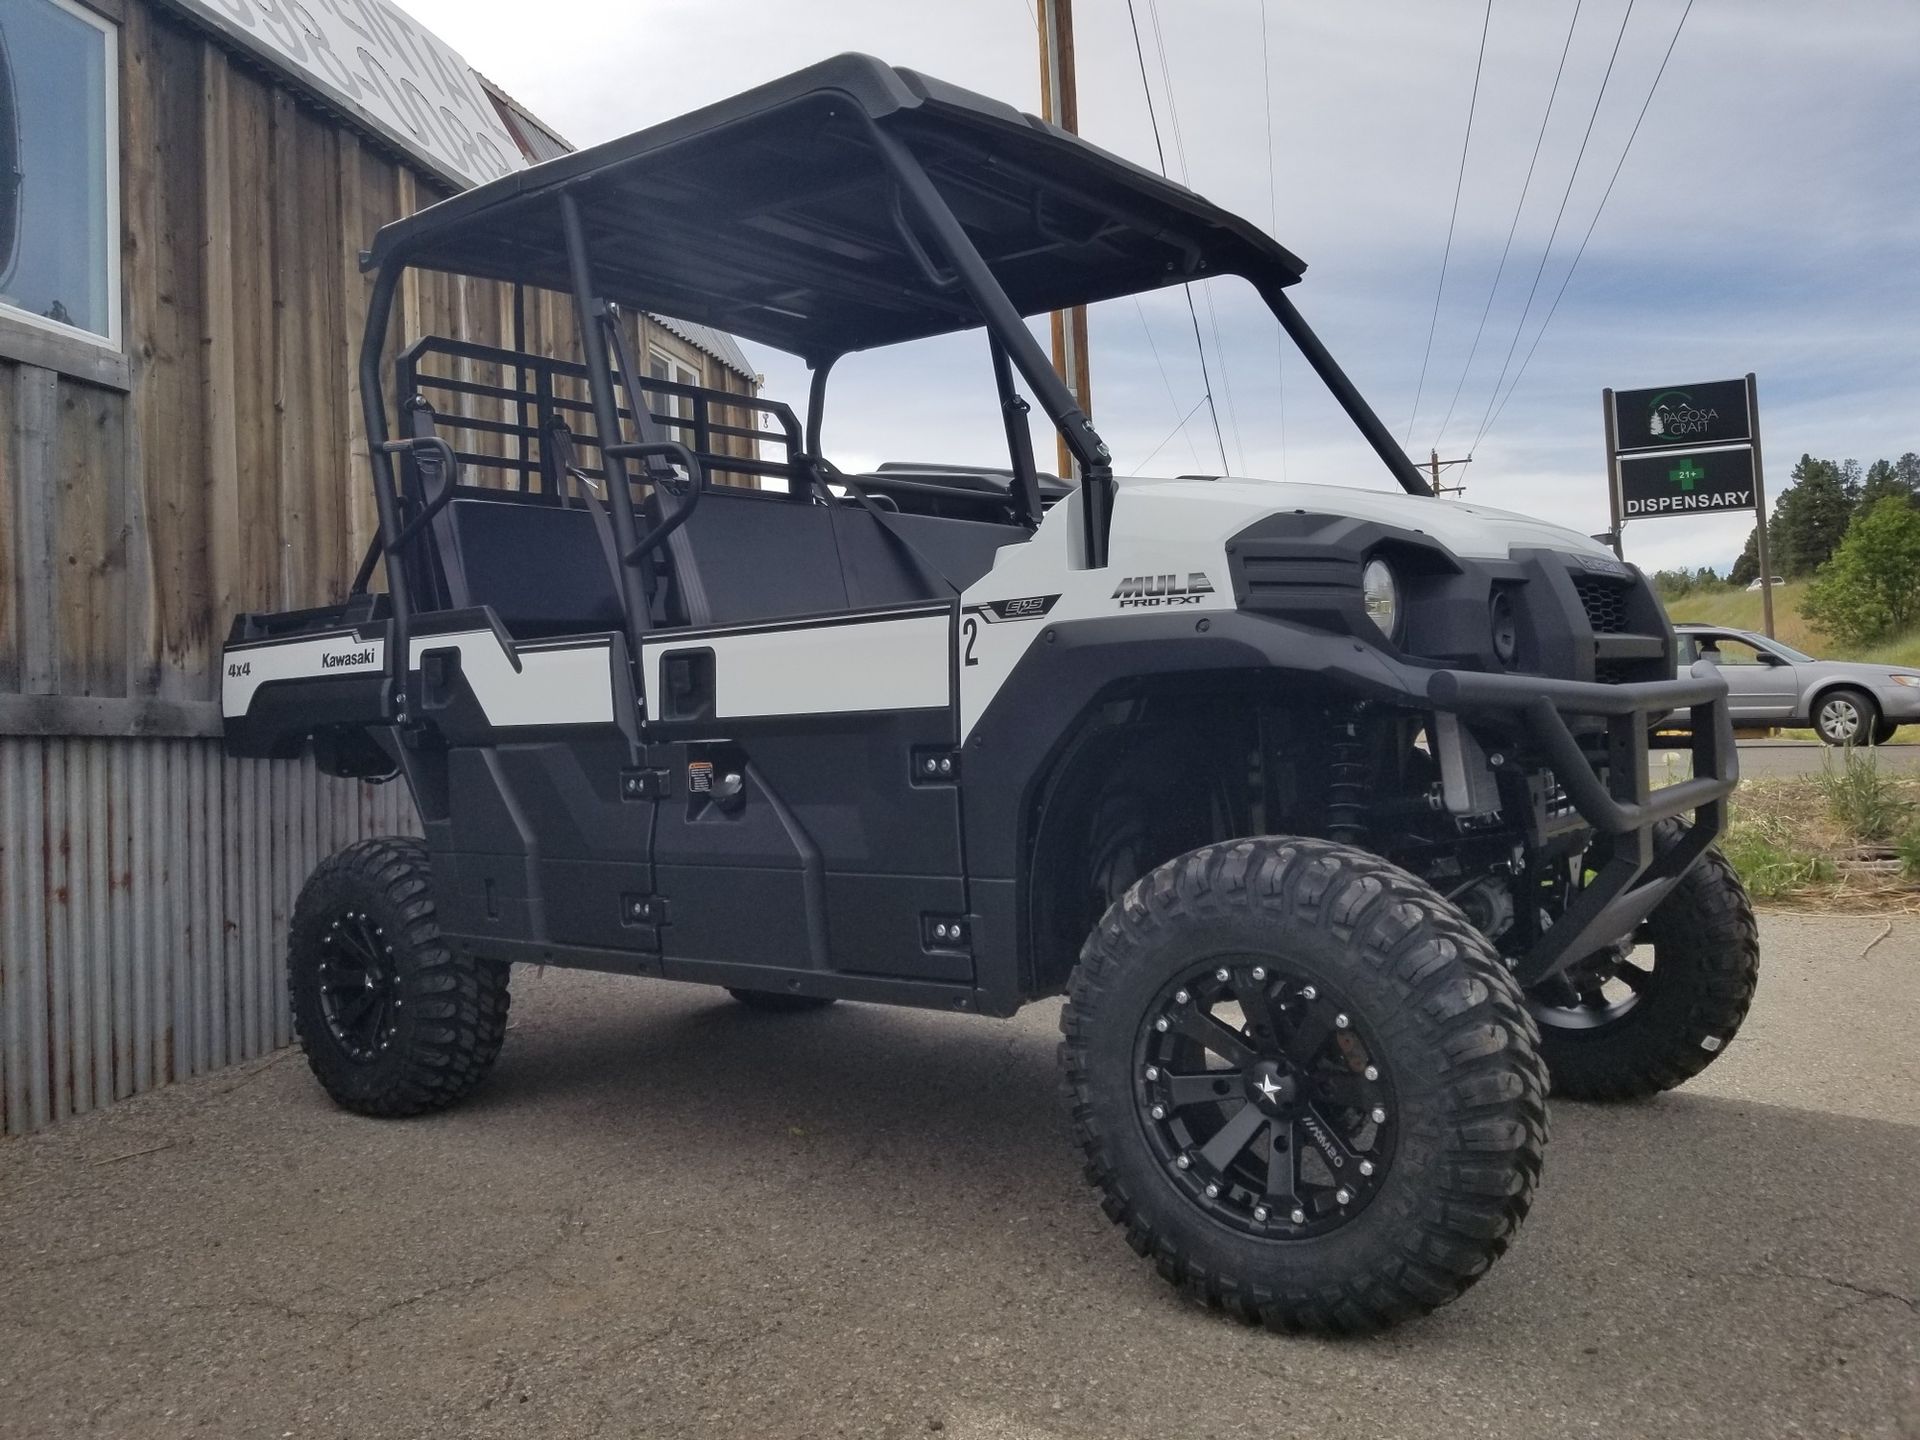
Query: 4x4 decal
x=1146 y=591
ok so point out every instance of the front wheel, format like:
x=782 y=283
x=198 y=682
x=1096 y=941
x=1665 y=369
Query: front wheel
x=1656 y=1010
x=392 y=1021
x=1304 y=1083
x=1846 y=717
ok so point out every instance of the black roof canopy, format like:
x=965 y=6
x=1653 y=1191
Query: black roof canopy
x=772 y=215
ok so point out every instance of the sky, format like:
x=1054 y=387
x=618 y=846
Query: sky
x=1766 y=218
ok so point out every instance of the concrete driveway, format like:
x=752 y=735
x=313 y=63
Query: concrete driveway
x=669 y=1216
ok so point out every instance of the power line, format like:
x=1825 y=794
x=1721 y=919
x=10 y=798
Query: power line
x=1567 y=278
x=1554 y=233
x=1206 y=381
x=1501 y=269
x=1206 y=293
x=1170 y=434
x=1273 y=225
x=1473 y=103
x=1165 y=379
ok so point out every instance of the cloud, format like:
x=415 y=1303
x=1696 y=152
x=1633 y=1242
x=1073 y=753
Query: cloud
x=1764 y=221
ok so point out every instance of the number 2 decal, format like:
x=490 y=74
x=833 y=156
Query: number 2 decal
x=970 y=627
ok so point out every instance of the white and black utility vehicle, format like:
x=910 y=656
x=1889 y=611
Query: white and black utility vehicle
x=1327 y=809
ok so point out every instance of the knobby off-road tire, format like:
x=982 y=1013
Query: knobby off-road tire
x=1415 y=1069
x=1651 y=1029
x=774 y=1002
x=392 y=1021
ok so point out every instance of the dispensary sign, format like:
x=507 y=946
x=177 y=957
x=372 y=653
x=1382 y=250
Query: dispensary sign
x=1690 y=416
x=1685 y=483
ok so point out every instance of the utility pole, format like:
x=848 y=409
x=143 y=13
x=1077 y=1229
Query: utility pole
x=1060 y=104
x=1435 y=465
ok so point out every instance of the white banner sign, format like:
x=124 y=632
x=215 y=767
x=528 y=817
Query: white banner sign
x=385 y=69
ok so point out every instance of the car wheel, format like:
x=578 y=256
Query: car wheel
x=392 y=1021
x=1846 y=717
x=1884 y=732
x=1306 y=1087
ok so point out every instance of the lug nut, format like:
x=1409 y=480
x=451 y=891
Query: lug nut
x=1153 y=1072
x=1161 y=1023
x=1308 y=992
x=1260 y=1212
x=1373 y=1072
x=1179 y=997
x=1366 y=1167
x=1299 y=1217
x=1159 y=1112
x=1213 y=1192
x=1340 y=1022
x=1343 y=1195
x=1221 y=974
x=1379 y=1115
x=1259 y=972
x=1183 y=1162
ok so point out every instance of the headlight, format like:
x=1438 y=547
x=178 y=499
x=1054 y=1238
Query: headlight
x=1505 y=627
x=1380 y=592
x=1908 y=680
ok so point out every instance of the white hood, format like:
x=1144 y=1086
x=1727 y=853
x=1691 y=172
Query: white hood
x=1147 y=509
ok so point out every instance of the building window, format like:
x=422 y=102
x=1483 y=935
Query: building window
x=59 y=168
x=662 y=366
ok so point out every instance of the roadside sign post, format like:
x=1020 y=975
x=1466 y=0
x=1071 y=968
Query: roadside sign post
x=1760 y=510
x=1684 y=450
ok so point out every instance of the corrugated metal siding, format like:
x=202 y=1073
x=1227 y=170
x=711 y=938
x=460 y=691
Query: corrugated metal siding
x=145 y=887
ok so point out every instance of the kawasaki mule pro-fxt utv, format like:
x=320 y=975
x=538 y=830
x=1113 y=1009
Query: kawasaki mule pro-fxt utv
x=1327 y=809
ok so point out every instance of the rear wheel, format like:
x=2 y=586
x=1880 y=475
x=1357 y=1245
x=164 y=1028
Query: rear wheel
x=1846 y=717
x=1304 y=1083
x=775 y=1002
x=391 y=1020
x=1654 y=1012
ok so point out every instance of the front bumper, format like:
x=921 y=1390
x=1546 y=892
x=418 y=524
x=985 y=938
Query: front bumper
x=1624 y=806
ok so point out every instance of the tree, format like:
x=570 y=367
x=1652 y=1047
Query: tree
x=1882 y=480
x=1811 y=518
x=1907 y=471
x=1747 y=568
x=1871 y=587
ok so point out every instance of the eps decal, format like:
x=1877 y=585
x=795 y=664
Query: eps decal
x=1027 y=607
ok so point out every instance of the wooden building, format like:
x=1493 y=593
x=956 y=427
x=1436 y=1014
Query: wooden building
x=180 y=311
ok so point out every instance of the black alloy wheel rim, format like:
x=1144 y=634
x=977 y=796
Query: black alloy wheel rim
x=1599 y=991
x=360 y=995
x=1265 y=1097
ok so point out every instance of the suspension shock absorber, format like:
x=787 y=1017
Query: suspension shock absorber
x=1350 y=786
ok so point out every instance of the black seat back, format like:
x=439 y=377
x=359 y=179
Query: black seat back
x=761 y=556
x=881 y=570
x=539 y=565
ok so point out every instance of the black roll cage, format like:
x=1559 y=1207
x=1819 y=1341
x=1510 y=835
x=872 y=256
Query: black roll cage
x=956 y=281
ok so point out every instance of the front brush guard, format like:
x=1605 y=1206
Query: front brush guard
x=1624 y=806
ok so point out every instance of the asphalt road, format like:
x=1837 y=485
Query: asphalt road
x=669 y=1216
x=1764 y=759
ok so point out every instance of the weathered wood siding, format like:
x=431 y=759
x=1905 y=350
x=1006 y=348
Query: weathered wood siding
x=231 y=476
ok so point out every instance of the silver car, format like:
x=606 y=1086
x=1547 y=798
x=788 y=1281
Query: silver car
x=1846 y=702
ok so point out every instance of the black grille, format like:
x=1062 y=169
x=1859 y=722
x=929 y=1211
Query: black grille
x=1616 y=672
x=1605 y=602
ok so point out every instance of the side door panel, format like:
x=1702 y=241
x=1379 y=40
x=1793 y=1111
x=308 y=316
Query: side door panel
x=520 y=755
x=805 y=828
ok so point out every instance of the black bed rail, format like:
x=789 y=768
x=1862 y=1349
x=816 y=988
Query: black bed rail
x=538 y=390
